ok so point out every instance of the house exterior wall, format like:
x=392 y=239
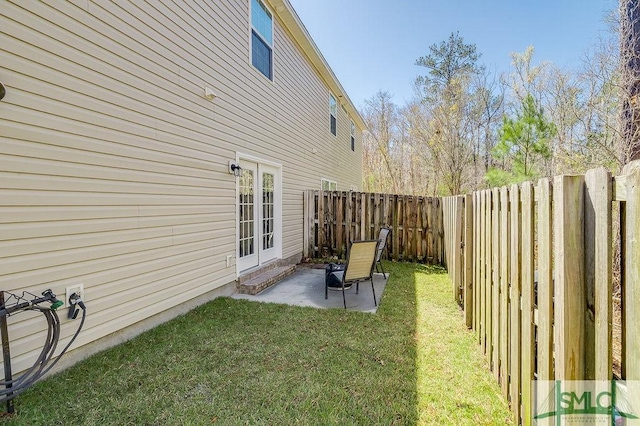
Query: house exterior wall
x=114 y=166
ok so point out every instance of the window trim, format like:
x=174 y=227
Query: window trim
x=353 y=136
x=271 y=45
x=333 y=124
x=329 y=184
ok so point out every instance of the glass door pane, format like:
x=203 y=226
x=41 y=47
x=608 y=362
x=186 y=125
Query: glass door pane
x=267 y=210
x=246 y=209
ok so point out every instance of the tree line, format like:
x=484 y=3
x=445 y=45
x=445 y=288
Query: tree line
x=467 y=128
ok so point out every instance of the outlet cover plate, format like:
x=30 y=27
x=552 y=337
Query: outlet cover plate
x=73 y=289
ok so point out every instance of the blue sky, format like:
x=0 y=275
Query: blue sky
x=373 y=44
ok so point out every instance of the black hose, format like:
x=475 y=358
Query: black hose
x=46 y=354
x=33 y=373
x=43 y=363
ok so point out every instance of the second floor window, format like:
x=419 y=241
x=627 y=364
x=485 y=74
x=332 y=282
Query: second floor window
x=262 y=38
x=353 y=136
x=333 y=115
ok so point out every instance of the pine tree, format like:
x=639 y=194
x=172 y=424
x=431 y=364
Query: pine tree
x=524 y=144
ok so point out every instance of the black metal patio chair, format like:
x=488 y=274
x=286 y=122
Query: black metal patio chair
x=382 y=243
x=361 y=260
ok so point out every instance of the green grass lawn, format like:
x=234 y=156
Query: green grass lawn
x=240 y=362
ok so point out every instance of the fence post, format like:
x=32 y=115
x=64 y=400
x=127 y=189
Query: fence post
x=569 y=303
x=632 y=283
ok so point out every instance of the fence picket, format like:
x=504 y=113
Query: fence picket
x=504 y=290
x=322 y=227
x=467 y=258
x=527 y=273
x=598 y=274
x=483 y=270
x=488 y=276
x=339 y=222
x=545 y=281
x=569 y=294
x=514 y=325
x=476 y=263
x=495 y=282
x=632 y=283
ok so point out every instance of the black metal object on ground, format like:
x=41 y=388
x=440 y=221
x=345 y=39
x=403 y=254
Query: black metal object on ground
x=6 y=353
x=14 y=304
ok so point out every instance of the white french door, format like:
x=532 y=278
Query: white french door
x=259 y=214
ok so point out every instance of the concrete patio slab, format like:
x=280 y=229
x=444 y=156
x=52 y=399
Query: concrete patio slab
x=305 y=287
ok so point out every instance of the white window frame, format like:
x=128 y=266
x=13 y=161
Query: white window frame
x=332 y=185
x=352 y=140
x=333 y=114
x=271 y=45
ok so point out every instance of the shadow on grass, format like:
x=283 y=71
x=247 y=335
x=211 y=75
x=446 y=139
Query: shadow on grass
x=239 y=362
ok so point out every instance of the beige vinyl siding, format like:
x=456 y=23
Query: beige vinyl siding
x=113 y=166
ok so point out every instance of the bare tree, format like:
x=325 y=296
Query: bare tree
x=525 y=79
x=381 y=116
x=598 y=111
x=447 y=111
x=418 y=117
x=487 y=111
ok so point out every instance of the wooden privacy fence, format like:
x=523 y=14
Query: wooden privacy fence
x=334 y=219
x=532 y=269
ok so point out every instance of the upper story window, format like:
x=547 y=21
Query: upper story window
x=262 y=38
x=353 y=136
x=333 y=115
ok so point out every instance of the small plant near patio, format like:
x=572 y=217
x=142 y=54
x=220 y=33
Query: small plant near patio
x=240 y=362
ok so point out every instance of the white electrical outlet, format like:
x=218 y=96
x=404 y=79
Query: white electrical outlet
x=230 y=259
x=77 y=288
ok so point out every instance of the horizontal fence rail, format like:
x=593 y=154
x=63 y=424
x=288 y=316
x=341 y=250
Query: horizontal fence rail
x=532 y=266
x=334 y=219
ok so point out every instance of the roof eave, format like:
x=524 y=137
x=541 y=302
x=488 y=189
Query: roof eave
x=295 y=26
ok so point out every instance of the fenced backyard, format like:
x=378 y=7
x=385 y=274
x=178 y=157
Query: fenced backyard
x=547 y=273
x=533 y=267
